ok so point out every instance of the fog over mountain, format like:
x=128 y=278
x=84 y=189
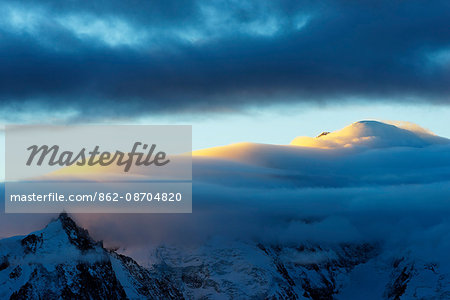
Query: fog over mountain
x=379 y=188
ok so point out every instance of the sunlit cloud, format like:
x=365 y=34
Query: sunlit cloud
x=372 y=134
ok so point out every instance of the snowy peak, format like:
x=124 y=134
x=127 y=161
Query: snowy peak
x=63 y=234
x=43 y=265
x=362 y=135
x=62 y=261
x=77 y=236
x=373 y=134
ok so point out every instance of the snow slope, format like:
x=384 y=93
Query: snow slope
x=62 y=261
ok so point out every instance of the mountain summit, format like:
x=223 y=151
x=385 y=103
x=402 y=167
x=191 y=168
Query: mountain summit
x=63 y=262
x=362 y=134
x=373 y=134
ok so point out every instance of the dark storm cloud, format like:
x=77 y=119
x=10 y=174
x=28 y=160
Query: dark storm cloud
x=137 y=58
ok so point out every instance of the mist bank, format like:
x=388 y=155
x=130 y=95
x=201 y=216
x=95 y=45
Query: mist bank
x=393 y=195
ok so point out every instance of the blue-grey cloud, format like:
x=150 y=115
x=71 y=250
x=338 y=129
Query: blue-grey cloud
x=395 y=195
x=137 y=58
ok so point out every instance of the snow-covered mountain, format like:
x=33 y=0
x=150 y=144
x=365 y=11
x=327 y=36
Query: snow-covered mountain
x=363 y=214
x=373 y=134
x=63 y=262
x=361 y=135
x=363 y=147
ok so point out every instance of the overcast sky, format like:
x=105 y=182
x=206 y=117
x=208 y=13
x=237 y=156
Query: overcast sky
x=116 y=59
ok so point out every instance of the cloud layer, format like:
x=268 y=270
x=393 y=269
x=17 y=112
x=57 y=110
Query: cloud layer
x=149 y=57
x=396 y=195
